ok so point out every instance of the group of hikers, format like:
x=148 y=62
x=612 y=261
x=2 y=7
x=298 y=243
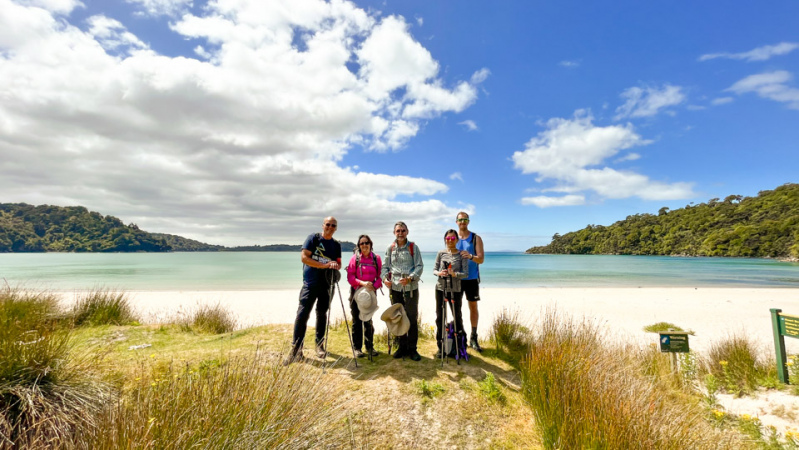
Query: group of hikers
x=456 y=267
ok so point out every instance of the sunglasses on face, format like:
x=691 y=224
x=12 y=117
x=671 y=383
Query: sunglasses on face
x=401 y=231
x=462 y=220
x=363 y=243
x=451 y=238
x=331 y=225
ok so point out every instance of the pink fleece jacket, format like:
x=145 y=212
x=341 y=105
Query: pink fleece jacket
x=367 y=270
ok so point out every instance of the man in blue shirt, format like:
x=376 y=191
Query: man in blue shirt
x=321 y=259
x=471 y=247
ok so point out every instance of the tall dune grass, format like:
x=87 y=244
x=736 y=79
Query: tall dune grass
x=586 y=392
x=46 y=392
x=242 y=403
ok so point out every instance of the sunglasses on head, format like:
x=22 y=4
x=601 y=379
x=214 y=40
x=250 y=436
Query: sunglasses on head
x=451 y=238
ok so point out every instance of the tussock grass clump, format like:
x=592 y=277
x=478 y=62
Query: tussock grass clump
x=490 y=388
x=214 y=319
x=247 y=402
x=660 y=327
x=587 y=393
x=103 y=306
x=428 y=389
x=508 y=332
x=736 y=362
x=46 y=393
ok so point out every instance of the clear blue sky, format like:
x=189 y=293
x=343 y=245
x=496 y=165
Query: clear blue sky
x=241 y=122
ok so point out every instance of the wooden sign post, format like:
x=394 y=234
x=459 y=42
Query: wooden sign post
x=783 y=325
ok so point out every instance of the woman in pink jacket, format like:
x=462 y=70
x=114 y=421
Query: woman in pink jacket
x=363 y=271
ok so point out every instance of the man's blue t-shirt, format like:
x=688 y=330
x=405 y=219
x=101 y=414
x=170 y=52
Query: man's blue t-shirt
x=322 y=250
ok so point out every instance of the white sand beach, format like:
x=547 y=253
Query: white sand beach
x=711 y=313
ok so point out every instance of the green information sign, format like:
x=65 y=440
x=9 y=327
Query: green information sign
x=789 y=325
x=673 y=342
x=783 y=325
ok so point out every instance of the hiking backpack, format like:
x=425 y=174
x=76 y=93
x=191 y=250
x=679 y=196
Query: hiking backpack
x=453 y=351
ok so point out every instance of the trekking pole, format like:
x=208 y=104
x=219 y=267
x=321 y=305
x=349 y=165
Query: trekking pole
x=344 y=310
x=327 y=327
x=404 y=305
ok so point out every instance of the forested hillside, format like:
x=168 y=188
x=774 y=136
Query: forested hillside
x=45 y=228
x=763 y=226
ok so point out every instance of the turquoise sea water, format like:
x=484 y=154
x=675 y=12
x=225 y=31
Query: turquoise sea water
x=272 y=270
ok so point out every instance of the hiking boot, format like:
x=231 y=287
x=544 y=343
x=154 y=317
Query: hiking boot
x=399 y=354
x=359 y=354
x=292 y=359
x=473 y=343
x=415 y=356
x=321 y=353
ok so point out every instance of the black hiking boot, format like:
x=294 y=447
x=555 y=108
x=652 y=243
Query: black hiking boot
x=474 y=343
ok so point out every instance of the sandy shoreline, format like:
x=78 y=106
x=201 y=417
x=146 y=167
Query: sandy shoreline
x=711 y=312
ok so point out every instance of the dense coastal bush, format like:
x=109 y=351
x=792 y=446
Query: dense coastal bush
x=762 y=226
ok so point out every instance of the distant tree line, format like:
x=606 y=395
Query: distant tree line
x=45 y=228
x=763 y=226
x=182 y=244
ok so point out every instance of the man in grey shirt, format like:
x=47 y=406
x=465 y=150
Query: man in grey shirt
x=402 y=269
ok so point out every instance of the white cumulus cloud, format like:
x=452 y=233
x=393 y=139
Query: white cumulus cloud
x=241 y=146
x=758 y=54
x=648 y=101
x=572 y=153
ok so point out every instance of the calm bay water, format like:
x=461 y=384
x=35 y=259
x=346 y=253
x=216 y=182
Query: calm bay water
x=273 y=270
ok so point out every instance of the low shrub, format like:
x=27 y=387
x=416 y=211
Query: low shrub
x=103 y=306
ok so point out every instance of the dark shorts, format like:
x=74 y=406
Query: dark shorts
x=471 y=290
